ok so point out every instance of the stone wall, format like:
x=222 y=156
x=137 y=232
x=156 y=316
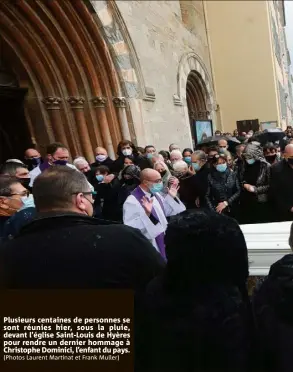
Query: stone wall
x=161 y=39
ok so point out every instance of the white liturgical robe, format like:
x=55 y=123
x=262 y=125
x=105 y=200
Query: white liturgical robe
x=134 y=215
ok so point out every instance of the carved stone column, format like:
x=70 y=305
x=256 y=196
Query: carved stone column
x=53 y=105
x=121 y=103
x=99 y=104
x=77 y=105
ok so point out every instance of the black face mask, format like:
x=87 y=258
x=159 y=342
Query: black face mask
x=290 y=161
x=271 y=158
x=33 y=163
x=25 y=182
x=163 y=173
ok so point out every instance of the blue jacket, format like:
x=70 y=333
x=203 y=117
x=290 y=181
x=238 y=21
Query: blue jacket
x=14 y=224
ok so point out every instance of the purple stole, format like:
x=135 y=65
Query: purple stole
x=45 y=165
x=139 y=194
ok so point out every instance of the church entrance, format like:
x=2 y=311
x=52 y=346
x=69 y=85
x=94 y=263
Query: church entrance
x=68 y=85
x=14 y=134
x=196 y=97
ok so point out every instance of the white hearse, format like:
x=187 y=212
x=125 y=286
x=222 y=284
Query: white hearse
x=266 y=244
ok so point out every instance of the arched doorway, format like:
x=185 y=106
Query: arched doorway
x=56 y=51
x=196 y=99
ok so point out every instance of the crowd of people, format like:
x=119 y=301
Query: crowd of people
x=166 y=226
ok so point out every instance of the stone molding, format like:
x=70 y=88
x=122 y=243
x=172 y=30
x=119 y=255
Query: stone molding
x=52 y=103
x=99 y=101
x=120 y=102
x=149 y=95
x=76 y=102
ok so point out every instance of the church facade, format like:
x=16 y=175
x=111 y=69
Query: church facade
x=90 y=73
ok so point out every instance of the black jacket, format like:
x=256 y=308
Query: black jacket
x=107 y=199
x=201 y=183
x=75 y=251
x=204 y=329
x=273 y=314
x=222 y=187
x=280 y=193
x=263 y=181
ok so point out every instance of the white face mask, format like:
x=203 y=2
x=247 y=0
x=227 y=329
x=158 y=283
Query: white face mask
x=101 y=158
x=28 y=202
x=127 y=152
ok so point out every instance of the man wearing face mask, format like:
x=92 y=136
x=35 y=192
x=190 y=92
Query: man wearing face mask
x=18 y=170
x=57 y=154
x=65 y=248
x=102 y=158
x=146 y=210
x=16 y=207
x=32 y=158
x=280 y=194
x=223 y=145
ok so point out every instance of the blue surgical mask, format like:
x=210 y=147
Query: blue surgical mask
x=187 y=159
x=156 y=187
x=222 y=150
x=196 y=166
x=150 y=155
x=221 y=167
x=28 y=202
x=250 y=161
x=100 y=178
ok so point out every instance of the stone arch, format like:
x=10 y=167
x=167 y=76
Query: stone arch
x=195 y=91
x=62 y=57
x=122 y=49
x=188 y=63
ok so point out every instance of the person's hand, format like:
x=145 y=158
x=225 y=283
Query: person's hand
x=147 y=205
x=109 y=178
x=173 y=190
x=197 y=202
x=248 y=187
x=191 y=170
x=221 y=207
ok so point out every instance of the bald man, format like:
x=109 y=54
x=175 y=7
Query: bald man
x=223 y=145
x=32 y=158
x=102 y=158
x=281 y=187
x=146 y=209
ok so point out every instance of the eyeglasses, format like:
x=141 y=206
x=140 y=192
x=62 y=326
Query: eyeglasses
x=92 y=193
x=23 y=193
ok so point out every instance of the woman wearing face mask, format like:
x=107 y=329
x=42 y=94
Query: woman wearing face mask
x=255 y=179
x=270 y=153
x=106 y=187
x=223 y=187
x=16 y=207
x=127 y=149
x=130 y=179
x=187 y=156
x=187 y=189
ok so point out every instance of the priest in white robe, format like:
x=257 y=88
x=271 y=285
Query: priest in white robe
x=146 y=209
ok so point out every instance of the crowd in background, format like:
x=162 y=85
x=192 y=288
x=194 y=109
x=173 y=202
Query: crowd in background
x=193 y=312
